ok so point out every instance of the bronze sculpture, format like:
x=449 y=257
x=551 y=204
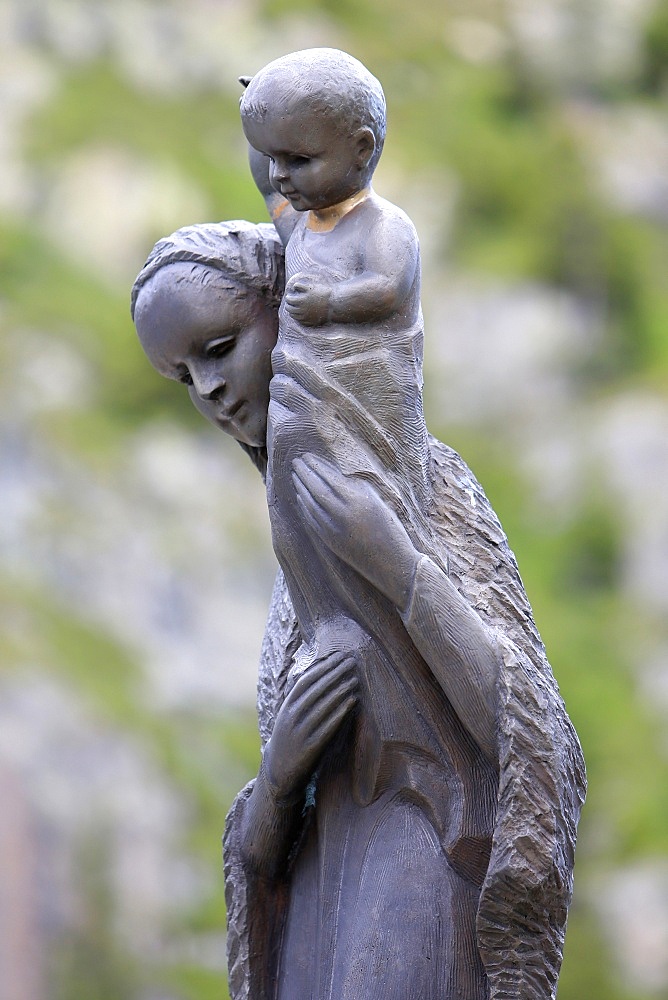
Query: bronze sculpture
x=412 y=827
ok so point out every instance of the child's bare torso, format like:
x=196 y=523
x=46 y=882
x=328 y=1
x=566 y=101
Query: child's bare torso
x=370 y=257
x=349 y=392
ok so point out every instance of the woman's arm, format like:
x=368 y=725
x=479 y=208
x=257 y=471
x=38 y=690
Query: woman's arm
x=280 y=211
x=349 y=517
x=460 y=650
x=283 y=215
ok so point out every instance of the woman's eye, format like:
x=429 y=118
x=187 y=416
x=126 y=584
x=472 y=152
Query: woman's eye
x=217 y=350
x=186 y=378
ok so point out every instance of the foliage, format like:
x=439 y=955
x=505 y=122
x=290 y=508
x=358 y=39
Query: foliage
x=528 y=208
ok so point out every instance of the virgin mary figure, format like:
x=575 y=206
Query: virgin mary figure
x=411 y=830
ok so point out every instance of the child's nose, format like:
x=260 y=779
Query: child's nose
x=280 y=170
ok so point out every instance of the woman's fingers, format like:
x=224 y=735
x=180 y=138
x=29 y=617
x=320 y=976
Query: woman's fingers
x=326 y=509
x=324 y=706
x=312 y=481
x=325 y=666
x=323 y=725
x=322 y=479
x=309 y=717
x=318 y=514
x=324 y=663
x=310 y=519
x=319 y=522
x=324 y=733
x=315 y=684
x=300 y=285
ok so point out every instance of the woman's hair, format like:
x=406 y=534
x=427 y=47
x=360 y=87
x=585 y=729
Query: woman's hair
x=248 y=254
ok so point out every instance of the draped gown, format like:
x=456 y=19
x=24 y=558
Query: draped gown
x=391 y=890
x=523 y=903
x=384 y=887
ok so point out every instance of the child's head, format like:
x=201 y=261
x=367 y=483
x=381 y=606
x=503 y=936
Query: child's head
x=320 y=115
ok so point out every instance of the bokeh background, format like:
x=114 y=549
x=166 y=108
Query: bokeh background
x=528 y=140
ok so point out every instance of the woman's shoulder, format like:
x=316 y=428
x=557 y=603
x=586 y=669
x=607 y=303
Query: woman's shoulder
x=480 y=561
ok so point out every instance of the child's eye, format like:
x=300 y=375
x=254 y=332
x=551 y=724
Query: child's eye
x=300 y=161
x=185 y=378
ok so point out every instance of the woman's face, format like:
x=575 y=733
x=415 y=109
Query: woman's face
x=215 y=338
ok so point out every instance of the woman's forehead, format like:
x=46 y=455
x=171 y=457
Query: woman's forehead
x=175 y=317
x=198 y=290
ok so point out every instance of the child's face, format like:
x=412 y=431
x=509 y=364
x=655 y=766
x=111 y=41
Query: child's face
x=217 y=342
x=313 y=164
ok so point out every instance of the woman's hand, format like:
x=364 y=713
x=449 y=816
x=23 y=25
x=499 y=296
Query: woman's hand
x=348 y=515
x=308 y=719
x=306 y=722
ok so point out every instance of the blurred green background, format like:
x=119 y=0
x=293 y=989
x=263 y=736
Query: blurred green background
x=528 y=140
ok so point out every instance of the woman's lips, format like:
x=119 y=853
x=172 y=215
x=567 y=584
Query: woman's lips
x=227 y=416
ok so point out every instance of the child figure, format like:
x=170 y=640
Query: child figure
x=347 y=383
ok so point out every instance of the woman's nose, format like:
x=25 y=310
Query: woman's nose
x=208 y=385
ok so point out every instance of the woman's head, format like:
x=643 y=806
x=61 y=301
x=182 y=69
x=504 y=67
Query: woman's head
x=205 y=305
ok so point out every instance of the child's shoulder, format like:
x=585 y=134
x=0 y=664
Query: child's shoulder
x=388 y=218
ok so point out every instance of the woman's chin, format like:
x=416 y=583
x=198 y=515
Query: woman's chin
x=249 y=442
x=253 y=437
x=252 y=433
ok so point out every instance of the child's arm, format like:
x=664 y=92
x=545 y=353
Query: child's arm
x=390 y=259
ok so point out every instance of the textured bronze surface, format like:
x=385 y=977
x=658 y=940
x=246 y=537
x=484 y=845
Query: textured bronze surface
x=411 y=831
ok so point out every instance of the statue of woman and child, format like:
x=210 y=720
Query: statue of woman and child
x=410 y=833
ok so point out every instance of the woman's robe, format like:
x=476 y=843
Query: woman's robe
x=516 y=899
x=366 y=914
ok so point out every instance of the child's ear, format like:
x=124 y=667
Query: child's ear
x=366 y=147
